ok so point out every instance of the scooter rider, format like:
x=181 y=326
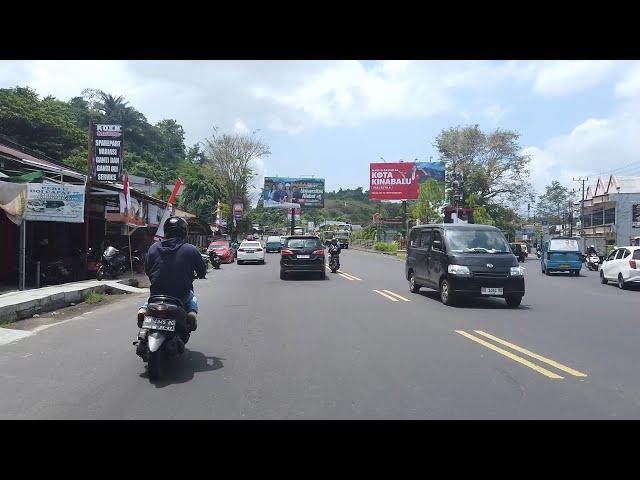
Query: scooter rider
x=170 y=265
x=334 y=248
x=592 y=250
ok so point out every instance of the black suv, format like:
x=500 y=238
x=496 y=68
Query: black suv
x=302 y=253
x=463 y=260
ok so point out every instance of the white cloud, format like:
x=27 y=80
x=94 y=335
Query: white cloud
x=494 y=112
x=290 y=96
x=240 y=127
x=596 y=146
x=558 y=78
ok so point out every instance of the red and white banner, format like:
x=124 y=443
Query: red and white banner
x=127 y=194
x=167 y=213
x=393 y=181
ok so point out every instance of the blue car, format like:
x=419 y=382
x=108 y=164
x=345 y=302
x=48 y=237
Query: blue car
x=561 y=254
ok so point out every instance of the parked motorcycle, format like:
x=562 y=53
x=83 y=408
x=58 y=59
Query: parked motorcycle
x=215 y=259
x=115 y=262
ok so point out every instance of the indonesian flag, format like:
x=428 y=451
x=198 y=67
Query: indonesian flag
x=127 y=195
x=167 y=212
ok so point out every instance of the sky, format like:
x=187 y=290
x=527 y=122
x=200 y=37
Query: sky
x=330 y=119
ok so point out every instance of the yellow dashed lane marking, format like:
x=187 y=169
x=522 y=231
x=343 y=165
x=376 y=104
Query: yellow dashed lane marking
x=510 y=355
x=548 y=361
x=396 y=295
x=387 y=296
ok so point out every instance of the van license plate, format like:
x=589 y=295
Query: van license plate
x=491 y=291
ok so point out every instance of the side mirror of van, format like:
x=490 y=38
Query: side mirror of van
x=437 y=245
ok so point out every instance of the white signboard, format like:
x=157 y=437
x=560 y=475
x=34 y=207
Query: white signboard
x=53 y=202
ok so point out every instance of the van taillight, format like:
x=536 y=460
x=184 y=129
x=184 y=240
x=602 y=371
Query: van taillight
x=632 y=264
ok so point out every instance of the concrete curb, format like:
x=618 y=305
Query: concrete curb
x=370 y=250
x=40 y=302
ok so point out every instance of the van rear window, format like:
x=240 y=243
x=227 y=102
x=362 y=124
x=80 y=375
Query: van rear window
x=564 y=245
x=636 y=254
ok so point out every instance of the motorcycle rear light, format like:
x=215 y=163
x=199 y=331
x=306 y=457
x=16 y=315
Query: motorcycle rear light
x=320 y=253
x=632 y=264
x=285 y=251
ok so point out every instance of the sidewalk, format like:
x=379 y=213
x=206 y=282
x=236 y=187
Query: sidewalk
x=24 y=304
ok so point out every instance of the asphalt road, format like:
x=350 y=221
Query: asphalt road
x=337 y=349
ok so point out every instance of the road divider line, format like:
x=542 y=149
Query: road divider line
x=548 y=361
x=349 y=275
x=396 y=295
x=387 y=296
x=510 y=355
x=344 y=276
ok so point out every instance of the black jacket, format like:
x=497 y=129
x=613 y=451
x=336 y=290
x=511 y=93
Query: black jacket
x=170 y=266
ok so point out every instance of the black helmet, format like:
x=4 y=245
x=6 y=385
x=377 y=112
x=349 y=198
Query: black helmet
x=175 y=227
x=334 y=241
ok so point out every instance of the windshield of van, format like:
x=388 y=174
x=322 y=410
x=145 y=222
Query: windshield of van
x=564 y=245
x=477 y=241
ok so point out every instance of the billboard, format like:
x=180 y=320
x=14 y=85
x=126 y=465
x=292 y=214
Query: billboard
x=290 y=192
x=238 y=210
x=53 y=202
x=134 y=216
x=400 y=181
x=106 y=152
x=635 y=220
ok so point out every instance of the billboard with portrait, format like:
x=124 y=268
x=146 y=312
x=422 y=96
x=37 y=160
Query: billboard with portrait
x=292 y=192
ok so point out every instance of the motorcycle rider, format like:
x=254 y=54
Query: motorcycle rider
x=334 y=249
x=592 y=250
x=170 y=265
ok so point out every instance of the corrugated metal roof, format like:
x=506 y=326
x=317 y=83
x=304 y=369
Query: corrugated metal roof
x=627 y=184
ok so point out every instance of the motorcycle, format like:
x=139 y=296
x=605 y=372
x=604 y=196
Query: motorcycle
x=115 y=262
x=593 y=262
x=163 y=334
x=334 y=262
x=215 y=260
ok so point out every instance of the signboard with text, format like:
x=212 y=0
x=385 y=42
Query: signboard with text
x=401 y=180
x=106 y=152
x=288 y=192
x=53 y=202
x=635 y=216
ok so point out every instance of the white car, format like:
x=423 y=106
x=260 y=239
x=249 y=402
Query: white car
x=621 y=266
x=250 y=251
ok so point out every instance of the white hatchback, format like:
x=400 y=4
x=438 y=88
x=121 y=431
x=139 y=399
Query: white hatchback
x=621 y=266
x=250 y=251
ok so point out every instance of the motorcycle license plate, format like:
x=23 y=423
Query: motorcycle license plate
x=153 y=323
x=491 y=291
x=303 y=256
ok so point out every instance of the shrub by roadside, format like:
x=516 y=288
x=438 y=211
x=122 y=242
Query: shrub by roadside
x=386 y=247
x=93 y=297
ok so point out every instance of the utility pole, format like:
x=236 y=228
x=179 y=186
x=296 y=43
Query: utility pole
x=581 y=205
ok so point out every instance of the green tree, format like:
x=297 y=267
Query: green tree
x=430 y=199
x=230 y=157
x=46 y=126
x=489 y=166
x=554 y=202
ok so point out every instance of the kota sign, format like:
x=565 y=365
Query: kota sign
x=106 y=152
x=400 y=181
x=288 y=192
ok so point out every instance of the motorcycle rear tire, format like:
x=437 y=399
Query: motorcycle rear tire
x=155 y=365
x=100 y=274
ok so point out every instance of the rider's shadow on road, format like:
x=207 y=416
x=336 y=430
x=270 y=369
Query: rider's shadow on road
x=184 y=368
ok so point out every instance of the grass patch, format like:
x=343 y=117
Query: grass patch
x=93 y=297
x=386 y=247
